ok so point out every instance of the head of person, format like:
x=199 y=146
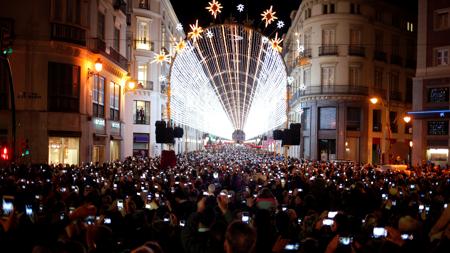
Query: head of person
x=239 y=238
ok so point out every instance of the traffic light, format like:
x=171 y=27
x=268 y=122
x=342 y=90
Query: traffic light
x=25 y=149
x=4 y=153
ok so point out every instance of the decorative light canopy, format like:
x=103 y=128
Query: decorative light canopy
x=269 y=16
x=215 y=8
x=179 y=27
x=280 y=24
x=231 y=81
x=196 y=32
x=240 y=7
x=180 y=45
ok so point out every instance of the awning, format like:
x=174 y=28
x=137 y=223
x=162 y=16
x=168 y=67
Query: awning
x=431 y=113
x=141 y=138
x=100 y=135
x=56 y=133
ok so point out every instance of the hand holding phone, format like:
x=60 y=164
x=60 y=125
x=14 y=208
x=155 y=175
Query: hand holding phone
x=7 y=206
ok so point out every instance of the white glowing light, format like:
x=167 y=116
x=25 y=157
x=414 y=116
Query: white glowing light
x=265 y=39
x=179 y=27
x=222 y=84
x=290 y=79
x=162 y=78
x=302 y=87
x=280 y=24
x=240 y=7
x=209 y=34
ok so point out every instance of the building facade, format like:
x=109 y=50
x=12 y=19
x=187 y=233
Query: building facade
x=341 y=54
x=431 y=108
x=152 y=29
x=69 y=69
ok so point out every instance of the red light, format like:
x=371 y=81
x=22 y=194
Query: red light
x=5 y=155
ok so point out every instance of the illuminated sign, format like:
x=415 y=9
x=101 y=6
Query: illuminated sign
x=99 y=122
x=115 y=124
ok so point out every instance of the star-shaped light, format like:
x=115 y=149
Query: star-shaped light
x=240 y=7
x=290 y=79
x=162 y=78
x=179 y=27
x=280 y=24
x=161 y=57
x=209 y=34
x=196 y=31
x=276 y=43
x=265 y=39
x=214 y=7
x=302 y=87
x=269 y=16
x=180 y=45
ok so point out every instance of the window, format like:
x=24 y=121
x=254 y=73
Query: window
x=328 y=37
x=69 y=10
x=327 y=75
x=379 y=15
x=332 y=8
x=354 y=8
x=98 y=97
x=327 y=118
x=101 y=26
x=354 y=75
x=143 y=4
x=143 y=34
x=63 y=87
x=376 y=118
x=394 y=81
x=438 y=95
x=355 y=37
x=409 y=26
x=442 y=57
x=116 y=42
x=307 y=13
x=438 y=127
x=378 y=78
x=306 y=148
x=307 y=77
x=328 y=8
x=57 y=9
x=63 y=150
x=306 y=118
x=4 y=85
x=142 y=74
x=379 y=41
x=409 y=90
x=393 y=122
x=114 y=102
x=142 y=112
x=395 y=45
x=307 y=40
x=441 y=19
x=353 y=118
x=140 y=144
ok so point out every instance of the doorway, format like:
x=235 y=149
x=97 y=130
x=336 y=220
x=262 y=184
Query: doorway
x=327 y=149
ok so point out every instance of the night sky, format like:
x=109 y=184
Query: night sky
x=190 y=10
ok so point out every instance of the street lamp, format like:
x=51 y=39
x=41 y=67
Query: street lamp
x=98 y=66
x=407 y=119
x=374 y=100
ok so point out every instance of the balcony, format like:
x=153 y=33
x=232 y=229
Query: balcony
x=395 y=95
x=137 y=120
x=98 y=46
x=328 y=50
x=356 y=50
x=333 y=89
x=379 y=56
x=68 y=33
x=143 y=4
x=144 y=85
x=305 y=54
x=410 y=63
x=144 y=44
x=396 y=59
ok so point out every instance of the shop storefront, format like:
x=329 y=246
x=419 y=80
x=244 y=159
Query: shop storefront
x=141 y=144
x=64 y=150
x=438 y=156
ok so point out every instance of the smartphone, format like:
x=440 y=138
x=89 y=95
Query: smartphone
x=345 y=240
x=421 y=207
x=407 y=237
x=107 y=220
x=90 y=220
x=205 y=194
x=7 y=205
x=62 y=215
x=327 y=222
x=166 y=219
x=182 y=223
x=332 y=214
x=379 y=232
x=245 y=217
x=29 y=210
x=120 y=204
x=292 y=247
x=299 y=221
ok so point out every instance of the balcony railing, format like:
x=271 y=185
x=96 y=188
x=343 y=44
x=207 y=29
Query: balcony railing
x=141 y=121
x=395 y=95
x=379 y=56
x=328 y=50
x=144 y=85
x=338 y=90
x=356 y=50
x=68 y=33
x=144 y=44
x=306 y=53
x=122 y=61
x=98 y=46
x=410 y=64
x=396 y=59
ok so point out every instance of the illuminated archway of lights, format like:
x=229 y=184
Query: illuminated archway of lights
x=233 y=80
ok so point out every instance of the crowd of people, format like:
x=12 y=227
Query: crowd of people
x=232 y=199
